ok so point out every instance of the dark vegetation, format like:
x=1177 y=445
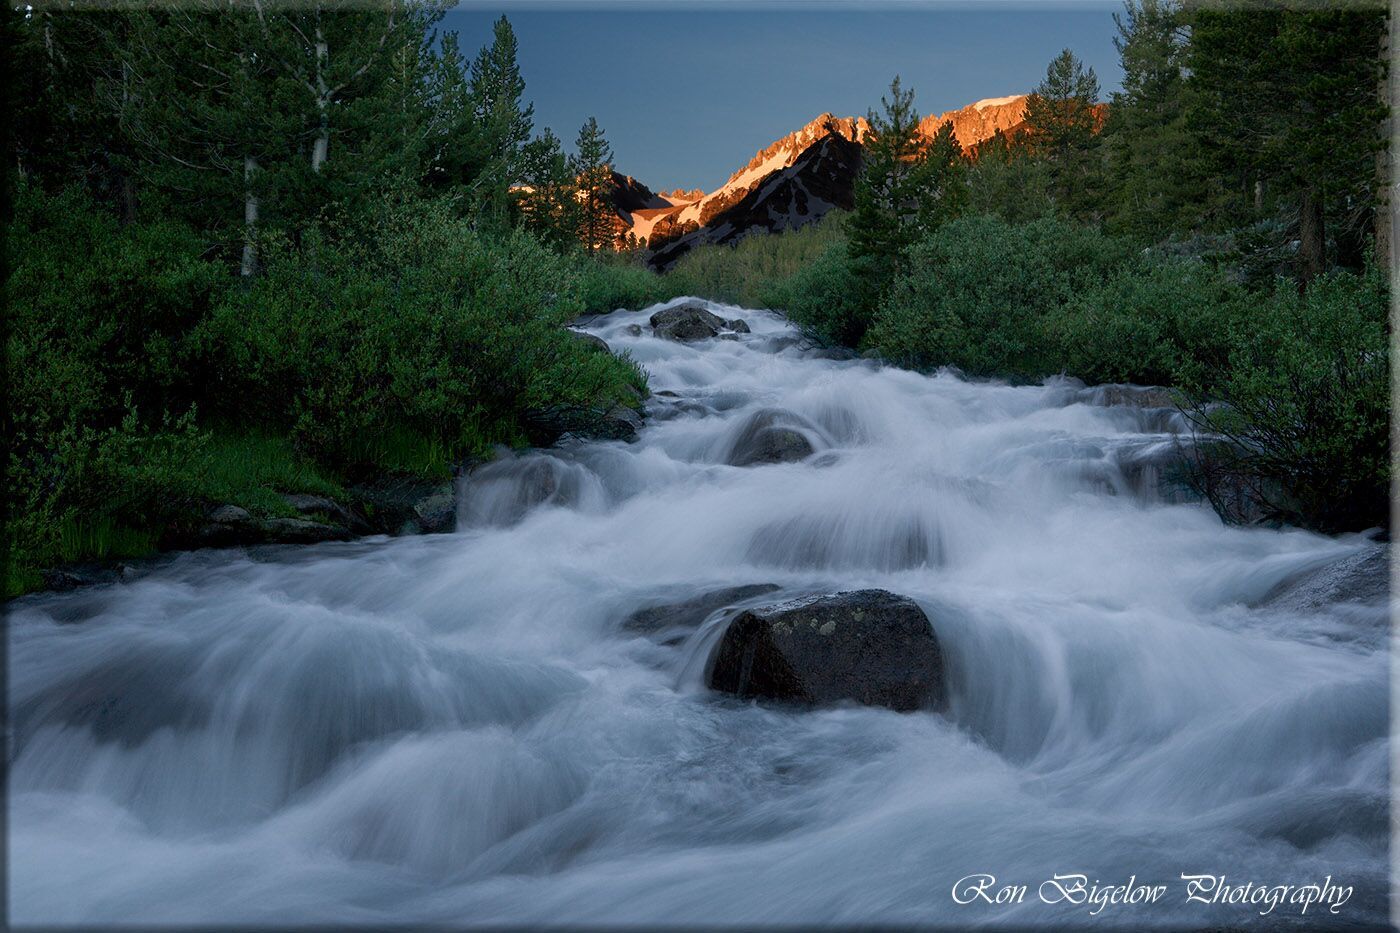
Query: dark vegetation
x=1224 y=231
x=263 y=252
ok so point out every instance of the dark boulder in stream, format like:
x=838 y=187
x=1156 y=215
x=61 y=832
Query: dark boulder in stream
x=691 y=322
x=868 y=646
x=771 y=435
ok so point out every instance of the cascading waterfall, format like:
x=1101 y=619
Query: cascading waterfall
x=459 y=729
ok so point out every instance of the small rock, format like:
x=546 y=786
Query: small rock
x=300 y=531
x=738 y=325
x=230 y=515
x=591 y=340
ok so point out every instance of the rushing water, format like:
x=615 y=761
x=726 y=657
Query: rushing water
x=458 y=729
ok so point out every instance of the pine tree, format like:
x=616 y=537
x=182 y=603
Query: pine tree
x=1061 y=125
x=1287 y=104
x=942 y=180
x=887 y=193
x=502 y=124
x=1155 y=176
x=593 y=168
x=549 y=200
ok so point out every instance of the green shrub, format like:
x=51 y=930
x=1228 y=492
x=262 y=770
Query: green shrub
x=608 y=283
x=1307 y=404
x=982 y=294
x=409 y=345
x=1146 y=323
x=100 y=389
x=828 y=296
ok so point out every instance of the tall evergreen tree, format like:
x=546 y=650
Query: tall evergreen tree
x=593 y=168
x=1061 y=127
x=549 y=203
x=1287 y=103
x=888 y=190
x=502 y=123
x=1155 y=176
x=942 y=180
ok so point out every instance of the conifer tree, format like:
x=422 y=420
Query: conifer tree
x=887 y=192
x=502 y=123
x=1061 y=125
x=1154 y=173
x=593 y=168
x=1286 y=102
x=549 y=201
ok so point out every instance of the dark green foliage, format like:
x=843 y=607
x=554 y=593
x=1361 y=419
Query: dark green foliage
x=830 y=296
x=592 y=166
x=1007 y=181
x=980 y=294
x=1148 y=322
x=1061 y=130
x=1307 y=403
x=1284 y=102
x=98 y=378
x=1154 y=167
x=415 y=327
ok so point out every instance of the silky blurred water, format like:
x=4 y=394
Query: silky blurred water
x=457 y=729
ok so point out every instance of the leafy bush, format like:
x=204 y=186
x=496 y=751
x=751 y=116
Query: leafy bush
x=1147 y=323
x=99 y=385
x=397 y=345
x=982 y=294
x=1307 y=404
x=608 y=282
x=829 y=296
x=410 y=344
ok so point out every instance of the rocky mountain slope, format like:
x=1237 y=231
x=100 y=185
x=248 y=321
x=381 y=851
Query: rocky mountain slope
x=792 y=182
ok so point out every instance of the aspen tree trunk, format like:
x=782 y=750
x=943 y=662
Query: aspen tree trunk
x=249 y=265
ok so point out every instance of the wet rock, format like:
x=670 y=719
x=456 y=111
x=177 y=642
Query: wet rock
x=686 y=323
x=546 y=426
x=671 y=622
x=1129 y=396
x=300 y=531
x=405 y=505
x=230 y=515
x=738 y=326
x=502 y=493
x=590 y=340
x=633 y=330
x=323 y=506
x=770 y=435
x=869 y=646
x=1363 y=577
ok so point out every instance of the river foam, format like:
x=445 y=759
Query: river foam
x=458 y=729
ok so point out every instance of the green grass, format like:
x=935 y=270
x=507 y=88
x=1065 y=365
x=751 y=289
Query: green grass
x=252 y=470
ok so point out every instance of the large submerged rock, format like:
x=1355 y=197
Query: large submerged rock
x=868 y=646
x=771 y=435
x=671 y=621
x=690 y=322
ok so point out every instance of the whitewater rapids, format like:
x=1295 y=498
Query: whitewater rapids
x=458 y=730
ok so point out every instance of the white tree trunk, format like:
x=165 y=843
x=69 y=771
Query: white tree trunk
x=250 y=218
x=322 y=146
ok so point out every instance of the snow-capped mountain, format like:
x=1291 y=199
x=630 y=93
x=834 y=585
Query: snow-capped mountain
x=792 y=182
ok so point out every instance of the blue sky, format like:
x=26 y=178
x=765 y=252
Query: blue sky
x=687 y=94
